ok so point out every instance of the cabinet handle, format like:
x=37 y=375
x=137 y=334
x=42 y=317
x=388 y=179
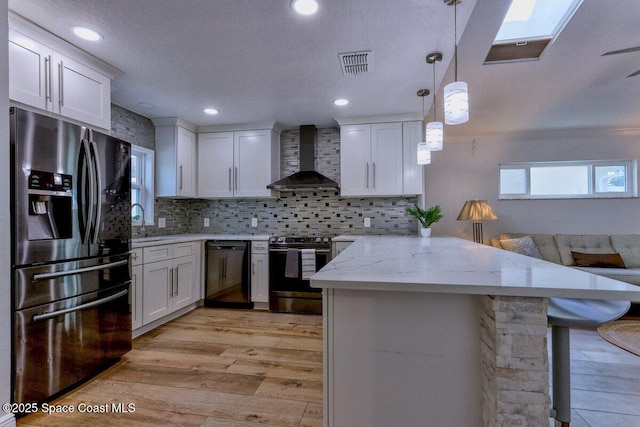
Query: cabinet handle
x=180 y=168
x=134 y=256
x=230 y=189
x=253 y=268
x=171 y=282
x=61 y=83
x=177 y=282
x=367 y=174
x=47 y=78
x=236 y=178
x=374 y=175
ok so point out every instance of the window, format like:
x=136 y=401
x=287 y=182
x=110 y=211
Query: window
x=142 y=162
x=528 y=27
x=569 y=180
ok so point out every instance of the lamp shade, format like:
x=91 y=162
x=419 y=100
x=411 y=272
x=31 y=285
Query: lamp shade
x=456 y=103
x=477 y=210
x=434 y=136
x=424 y=154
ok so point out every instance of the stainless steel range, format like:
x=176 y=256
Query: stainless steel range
x=292 y=261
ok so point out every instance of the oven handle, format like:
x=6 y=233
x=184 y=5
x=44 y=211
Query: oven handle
x=55 y=274
x=320 y=251
x=49 y=315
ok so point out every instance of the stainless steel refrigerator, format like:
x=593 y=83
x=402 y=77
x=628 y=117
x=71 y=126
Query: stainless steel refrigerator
x=71 y=228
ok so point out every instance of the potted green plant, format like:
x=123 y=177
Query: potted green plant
x=426 y=217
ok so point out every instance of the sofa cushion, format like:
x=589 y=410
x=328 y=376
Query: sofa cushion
x=521 y=245
x=628 y=246
x=585 y=243
x=544 y=242
x=598 y=260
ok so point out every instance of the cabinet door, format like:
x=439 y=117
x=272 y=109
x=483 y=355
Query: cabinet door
x=29 y=71
x=252 y=155
x=156 y=286
x=215 y=165
x=259 y=277
x=184 y=279
x=386 y=159
x=186 y=162
x=355 y=160
x=413 y=179
x=135 y=296
x=81 y=92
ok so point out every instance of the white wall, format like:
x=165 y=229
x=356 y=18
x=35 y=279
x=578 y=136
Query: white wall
x=458 y=173
x=5 y=221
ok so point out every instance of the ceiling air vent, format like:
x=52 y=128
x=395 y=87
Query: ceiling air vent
x=354 y=63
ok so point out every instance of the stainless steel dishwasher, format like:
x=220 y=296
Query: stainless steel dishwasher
x=227 y=274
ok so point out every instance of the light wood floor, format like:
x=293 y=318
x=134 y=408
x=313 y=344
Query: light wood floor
x=238 y=368
x=213 y=368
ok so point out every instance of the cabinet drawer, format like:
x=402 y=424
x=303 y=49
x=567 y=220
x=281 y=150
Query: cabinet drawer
x=260 y=247
x=136 y=256
x=184 y=249
x=157 y=253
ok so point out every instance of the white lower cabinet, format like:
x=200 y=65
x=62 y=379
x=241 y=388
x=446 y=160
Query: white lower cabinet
x=171 y=280
x=260 y=274
x=135 y=290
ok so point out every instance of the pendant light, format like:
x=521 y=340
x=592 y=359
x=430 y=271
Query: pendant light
x=456 y=94
x=434 y=132
x=424 y=154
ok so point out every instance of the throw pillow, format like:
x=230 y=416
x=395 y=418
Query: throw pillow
x=522 y=245
x=598 y=260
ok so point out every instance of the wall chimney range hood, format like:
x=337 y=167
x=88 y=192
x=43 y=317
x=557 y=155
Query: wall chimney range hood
x=307 y=178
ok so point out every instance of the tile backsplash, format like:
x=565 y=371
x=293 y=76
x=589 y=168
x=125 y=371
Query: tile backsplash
x=303 y=213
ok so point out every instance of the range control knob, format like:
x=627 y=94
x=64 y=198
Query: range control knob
x=318 y=239
x=325 y=240
x=281 y=240
x=273 y=240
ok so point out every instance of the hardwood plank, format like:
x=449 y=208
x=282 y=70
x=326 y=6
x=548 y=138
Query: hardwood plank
x=200 y=362
x=267 y=368
x=219 y=337
x=221 y=422
x=187 y=378
x=282 y=388
x=171 y=346
x=312 y=415
x=274 y=354
x=299 y=343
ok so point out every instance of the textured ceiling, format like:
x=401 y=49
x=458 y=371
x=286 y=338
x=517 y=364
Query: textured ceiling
x=257 y=61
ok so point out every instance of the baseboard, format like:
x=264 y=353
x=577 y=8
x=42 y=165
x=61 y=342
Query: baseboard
x=146 y=328
x=8 y=420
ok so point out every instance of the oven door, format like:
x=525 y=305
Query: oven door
x=294 y=295
x=56 y=345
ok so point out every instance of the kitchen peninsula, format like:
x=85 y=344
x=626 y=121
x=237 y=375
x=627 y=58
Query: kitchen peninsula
x=442 y=332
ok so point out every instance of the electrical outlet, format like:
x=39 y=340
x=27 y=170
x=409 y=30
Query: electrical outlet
x=206 y=222
x=162 y=222
x=254 y=222
x=367 y=222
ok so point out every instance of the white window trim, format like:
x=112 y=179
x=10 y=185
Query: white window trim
x=631 y=179
x=148 y=189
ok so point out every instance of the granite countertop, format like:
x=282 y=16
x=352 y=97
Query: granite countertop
x=178 y=238
x=453 y=265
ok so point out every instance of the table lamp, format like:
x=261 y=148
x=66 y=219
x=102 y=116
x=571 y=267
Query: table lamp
x=477 y=211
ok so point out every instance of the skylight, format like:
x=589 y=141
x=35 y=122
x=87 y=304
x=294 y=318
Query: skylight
x=529 y=27
x=535 y=19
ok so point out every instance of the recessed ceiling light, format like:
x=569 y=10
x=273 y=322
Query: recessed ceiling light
x=87 y=33
x=211 y=111
x=340 y=102
x=305 y=7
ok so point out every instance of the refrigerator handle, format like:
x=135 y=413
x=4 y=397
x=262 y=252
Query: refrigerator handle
x=51 y=314
x=97 y=191
x=56 y=274
x=85 y=208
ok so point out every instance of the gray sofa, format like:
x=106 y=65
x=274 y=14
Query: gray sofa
x=557 y=248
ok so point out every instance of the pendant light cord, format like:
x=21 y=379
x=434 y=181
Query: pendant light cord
x=435 y=114
x=455 y=37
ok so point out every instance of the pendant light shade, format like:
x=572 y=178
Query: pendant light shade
x=434 y=136
x=456 y=103
x=456 y=94
x=424 y=154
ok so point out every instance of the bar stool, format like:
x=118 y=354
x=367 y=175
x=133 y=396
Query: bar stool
x=565 y=313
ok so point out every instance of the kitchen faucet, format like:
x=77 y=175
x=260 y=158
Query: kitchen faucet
x=141 y=229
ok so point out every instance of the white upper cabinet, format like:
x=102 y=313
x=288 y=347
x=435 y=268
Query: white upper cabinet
x=48 y=79
x=413 y=173
x=238 y=164
x=176 y=165
x=371 y=159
